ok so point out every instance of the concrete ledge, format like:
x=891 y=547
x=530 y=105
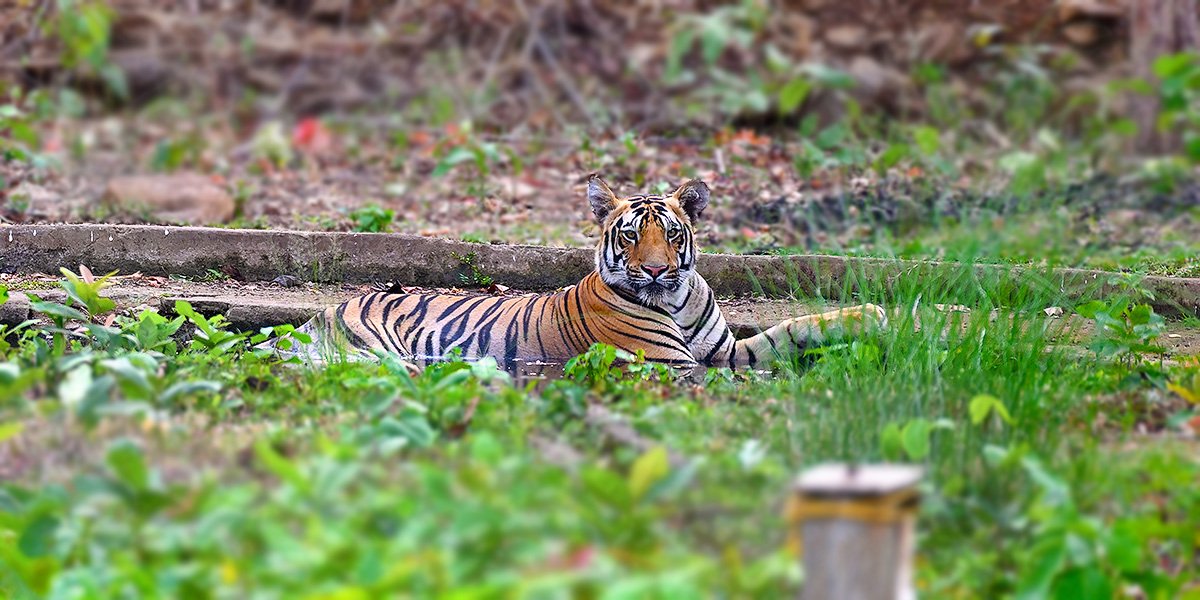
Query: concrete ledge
x=253 y=255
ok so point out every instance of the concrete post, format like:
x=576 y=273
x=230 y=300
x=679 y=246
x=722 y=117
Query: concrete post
x=854 y=526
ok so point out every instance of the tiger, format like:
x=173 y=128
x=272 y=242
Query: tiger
x=644 y=295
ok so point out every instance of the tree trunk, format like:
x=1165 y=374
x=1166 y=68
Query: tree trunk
x=1158 y=27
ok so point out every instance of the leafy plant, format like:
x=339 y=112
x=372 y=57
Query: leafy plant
x=602 y=366
x=84 y=289
x=174 y=153
x=1124 y=331
x=480 y=154
x=983 y=406
x=210 y=333
x=84 y=28
x=474 y=276
x=1074 y=555
x=372 y=218
x=1179 y=98
x=912 y=440
x=19 y=138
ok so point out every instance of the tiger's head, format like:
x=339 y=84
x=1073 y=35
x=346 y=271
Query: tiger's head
x=647 y=248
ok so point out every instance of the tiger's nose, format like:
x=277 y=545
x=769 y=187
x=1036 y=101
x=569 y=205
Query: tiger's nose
x=655 y=271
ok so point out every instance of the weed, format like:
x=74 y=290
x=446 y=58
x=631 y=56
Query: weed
x=1179 y=98
x=84 y=28
x=1124 y=331
x=473 y=276
x=372 y=218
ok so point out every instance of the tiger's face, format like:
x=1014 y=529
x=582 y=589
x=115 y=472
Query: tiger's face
x=648 y=248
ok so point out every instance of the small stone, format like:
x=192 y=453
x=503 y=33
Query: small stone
x=1081 y=33
x=874 y=78
x=847 y=37
x=188 y=198
x=1092 y=9
x=286 y=281
x=944 y=43
x=15 y=311
x=1053 y=311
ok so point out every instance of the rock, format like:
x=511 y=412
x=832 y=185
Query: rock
x=1093 y=9
x=30 y=199
x=286 y=281
x=15 y=311
x=943 y=42
x=847 y=37
x=1081 y=33
x=188 y=198
x=874 y=78
x=346 y=11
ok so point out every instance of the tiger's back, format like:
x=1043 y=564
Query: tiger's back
x=527 y=327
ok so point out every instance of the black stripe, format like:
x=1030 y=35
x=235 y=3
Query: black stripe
x=510 y=343
x=718 y=347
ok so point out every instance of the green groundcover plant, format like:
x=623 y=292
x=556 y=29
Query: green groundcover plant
x=161 y=456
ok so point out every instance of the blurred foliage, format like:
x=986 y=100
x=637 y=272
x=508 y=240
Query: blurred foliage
x=213 y=469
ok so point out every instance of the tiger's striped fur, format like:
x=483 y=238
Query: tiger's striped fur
x=644 y=295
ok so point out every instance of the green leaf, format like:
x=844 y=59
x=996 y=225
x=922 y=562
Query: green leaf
x=650 y=467
x=983 y=405
x=828 y=76
x=188 y=388
x=3 y=294
x=54 y=309
x=1168 y=66
x=1028 y=171
x=126 y=460
x=1141 y=314
x=280 y=466
x=927 y=139
x=1192 y=147
x=793 y=94
x=413 y=428
x=916 y=438
x=184 y=309
x=10 y=430
x=674 y=482
x=712 y=44
x=1091 y=309
x=1055 y=492
x=129 y=374
x=456 y=156
x=681 y=43
x=1048 y=557
x=606 y=486
x=891 y=442
x=1087 y=582
x=74 y=386
x=894 y=154
x=38 y=537
x=1124 y=547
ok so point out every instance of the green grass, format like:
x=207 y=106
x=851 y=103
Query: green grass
x=148 y=465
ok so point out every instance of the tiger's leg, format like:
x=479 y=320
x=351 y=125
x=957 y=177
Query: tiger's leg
x=794 y=336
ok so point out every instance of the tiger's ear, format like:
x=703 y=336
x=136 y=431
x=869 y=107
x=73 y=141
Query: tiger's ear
x=693 y=198
x=602 y=199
